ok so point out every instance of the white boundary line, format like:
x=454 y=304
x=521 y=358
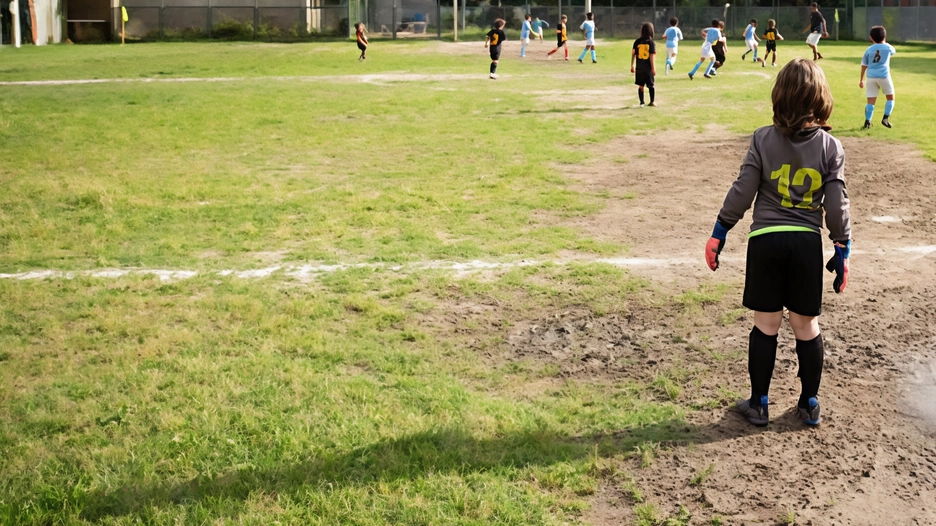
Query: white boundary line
x=372 y=78
x=311 y=271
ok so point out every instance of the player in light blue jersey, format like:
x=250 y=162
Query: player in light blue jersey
x=876 y=63
x=525 y=31
x=672 y=36
x=751 y=39
x=711 y=36
x=588 y=29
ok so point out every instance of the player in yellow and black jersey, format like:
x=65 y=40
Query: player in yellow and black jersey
x=494 y=38
x=561 y=37
x=644 y=54
x=771 y=36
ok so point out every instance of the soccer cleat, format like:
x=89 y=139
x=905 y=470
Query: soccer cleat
x=774 y=64
x=652 y=104
x=671 y=67
x=886 y=122
x=594 y=61
x=493 y=75
x=580 y=61
x=755 y=414
x=810 y=415
x=707 y=76
x=690 y=76
x=818 y=56
x=642 y=104
x=763 y=63
x=867 y=125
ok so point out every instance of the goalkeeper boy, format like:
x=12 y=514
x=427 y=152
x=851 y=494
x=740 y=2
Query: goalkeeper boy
x=794 y=174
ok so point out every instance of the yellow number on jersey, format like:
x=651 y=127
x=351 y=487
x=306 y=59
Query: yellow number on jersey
x=494 y=39
x=643 y=51
x=799 y=178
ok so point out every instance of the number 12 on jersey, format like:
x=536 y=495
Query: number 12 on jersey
x=799 y=179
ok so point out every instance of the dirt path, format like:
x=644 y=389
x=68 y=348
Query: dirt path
x=873 y=460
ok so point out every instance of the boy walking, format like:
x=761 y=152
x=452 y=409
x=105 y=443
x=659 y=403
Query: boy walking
x=644 y=53
x=494 y=38
x=711 y=36
x=817 y=29
x=525 y=31
x=751 y=39
x=360 y=31
x=588 y=30
x=876 y=63
x=671 y=38
x=561 y=38
x=795 y=170
x=771 y=36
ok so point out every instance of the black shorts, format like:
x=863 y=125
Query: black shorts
x=559 y=41
x=362 y=47
x=644 y=78
x=719 y=54
x=771 y=46
x=495 y=52
x=784 y=269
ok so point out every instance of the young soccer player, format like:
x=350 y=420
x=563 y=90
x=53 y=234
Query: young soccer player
x=588 y=30
x=494 y=38
x=361 y=39
x=671 y=37
x=794 y=174
x=644 y=54
x=525 y=31
x=876 y=62
x=538 y=27
x=771 y=36
x=711 y=35
x=720 y=49
x=751 y=39
x=817 y=30
x=561 y=38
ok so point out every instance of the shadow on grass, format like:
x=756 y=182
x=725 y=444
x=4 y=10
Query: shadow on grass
x=450 y=450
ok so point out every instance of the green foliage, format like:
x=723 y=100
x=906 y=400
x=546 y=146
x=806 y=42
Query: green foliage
x=699 y=478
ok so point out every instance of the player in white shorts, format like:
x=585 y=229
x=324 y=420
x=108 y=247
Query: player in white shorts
x=711 y=35
x=672 y=36
x=750 y=40
x=525 y=31
x=876 y=63
x=817 y=29
x=588 y=29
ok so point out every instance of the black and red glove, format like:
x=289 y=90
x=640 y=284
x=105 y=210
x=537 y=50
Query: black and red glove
x=839 y=264
x=715 y=245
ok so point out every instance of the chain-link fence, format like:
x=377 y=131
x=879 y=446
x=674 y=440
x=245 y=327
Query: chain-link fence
x=905 y=23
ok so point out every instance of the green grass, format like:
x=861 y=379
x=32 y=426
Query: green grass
x=350 y=399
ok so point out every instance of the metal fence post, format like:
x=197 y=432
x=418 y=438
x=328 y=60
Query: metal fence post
x=162 y=7
x=256 y=17
x=393 y=19
x=612 y=18
x=439 y=19
x=209 y=18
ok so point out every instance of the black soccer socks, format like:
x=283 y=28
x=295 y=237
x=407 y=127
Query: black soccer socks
x=762 y=353
x=811 y=356
x=493 y=67
x=652 y=94
x=640 y=94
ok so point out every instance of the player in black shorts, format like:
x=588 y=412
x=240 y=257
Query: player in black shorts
x=561 y=37
x=720 y=48
x=495 y=37
x=643 y=62
x=794 y=174
x=771 y=36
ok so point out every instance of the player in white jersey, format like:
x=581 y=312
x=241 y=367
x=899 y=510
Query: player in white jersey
x=588 y=30
x=751 y=39
x=876 y=63
x=672 y=36
x=525 y=31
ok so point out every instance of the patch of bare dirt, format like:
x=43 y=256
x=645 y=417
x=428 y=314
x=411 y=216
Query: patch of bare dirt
x=873 y=459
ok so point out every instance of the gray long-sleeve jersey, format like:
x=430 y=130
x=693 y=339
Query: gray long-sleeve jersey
x=794 y=179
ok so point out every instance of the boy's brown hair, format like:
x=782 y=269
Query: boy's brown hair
x=646 y=30
x=771 y=23
x=563 y=17
x=801 y=97
x=878 y=34
x=499 y=23
x=674 y=21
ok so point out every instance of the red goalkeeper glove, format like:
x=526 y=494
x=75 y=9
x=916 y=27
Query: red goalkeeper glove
x=715 y=245
x=839 y=264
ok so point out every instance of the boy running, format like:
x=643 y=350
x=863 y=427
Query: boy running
x=817 y=29
x=361 y=39
x=494 y=38
x=720 y=49
x=751 y=39
x=588 y=30
x=876 y=62
x=671 y=37
x=644 y=53
x=525 y=31
x=561 y=38
x=771 y=36
x=538 y=27
x=794 y=175
x=711 y=35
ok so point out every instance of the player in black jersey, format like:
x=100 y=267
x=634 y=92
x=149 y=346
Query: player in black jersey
x=771 y=36
x=494 y=38
x=644 y=55
x=561 y=37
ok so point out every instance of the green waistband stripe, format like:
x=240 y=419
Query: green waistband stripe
x=772 y=229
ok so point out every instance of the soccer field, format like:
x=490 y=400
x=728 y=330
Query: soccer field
x=265 y=283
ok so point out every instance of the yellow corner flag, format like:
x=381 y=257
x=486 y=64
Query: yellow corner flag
x=836 y=15
x=123 y=12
